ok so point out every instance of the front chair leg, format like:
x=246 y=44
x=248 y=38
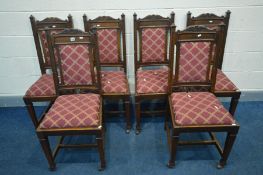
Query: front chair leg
x=100 y=142
x=173 y=147
x=31 y=111
x=127 y=114
x=138 y=116
x=48 y=153
x=233 y=104
x=230 y=139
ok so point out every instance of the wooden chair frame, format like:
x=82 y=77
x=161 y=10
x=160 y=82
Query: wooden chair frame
x=150 y=21
x=212 y=20
x=198 y=33
x=107 y=22
x=61 y=88
x=47 y=24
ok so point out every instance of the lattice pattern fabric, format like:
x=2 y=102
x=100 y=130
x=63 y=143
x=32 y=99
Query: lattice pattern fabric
x=199 y=108
x=153 y=45
x=73 y=111
x=44 y=44
x=152 y=81
x=44 y=86
x=75 y=64
x=108 y=45
x=194 y=61
x=114 y=82
x=223 y=83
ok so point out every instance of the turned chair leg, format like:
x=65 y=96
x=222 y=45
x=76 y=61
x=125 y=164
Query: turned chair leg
x=31 y=111
x=138 y=116
x=48 y=153
x=233 y=104
x=230 y=139
x=127 y=114
x=173 y=147
x=166 y=119
x=100 y=142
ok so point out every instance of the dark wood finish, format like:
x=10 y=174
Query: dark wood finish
x=107 y=22
x=65 y=38
x=214 y=21
x=150 y=21
x=47 y=24
x=173 y=129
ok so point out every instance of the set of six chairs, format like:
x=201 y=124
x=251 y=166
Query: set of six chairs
x=91 y=67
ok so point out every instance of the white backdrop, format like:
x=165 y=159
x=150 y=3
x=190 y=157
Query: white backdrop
x=243 y=61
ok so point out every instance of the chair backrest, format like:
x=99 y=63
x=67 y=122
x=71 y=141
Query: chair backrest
x=40 y=28
x=151 y=39
x=194 y=56
x=76 y=68
x=111 y=39
x=212 y=21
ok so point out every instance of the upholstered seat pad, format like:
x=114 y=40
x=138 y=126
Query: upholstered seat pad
x=114 y=82
x=223 y=83
x=44 y=86
x=73 y=111
x=152 y=81
x=199 y=108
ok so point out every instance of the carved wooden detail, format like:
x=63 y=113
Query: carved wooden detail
x=153 y=17
x=197 y=28
x=51 y=20
x=104 y=18
x=72 y=31
x=207 y=16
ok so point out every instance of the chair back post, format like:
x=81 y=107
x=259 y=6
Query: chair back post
x=171 y=57
x=37 y=44
x=97 y=60
x=70 y=21
x=123 y=29
x=54 y=68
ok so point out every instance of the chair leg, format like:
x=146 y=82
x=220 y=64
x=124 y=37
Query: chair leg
x=230 y=139
x=48 y=153
x=173 y=147
x=31 y=111
x=100 y=142
x=127 y=114
x=138 y=116
x=233 y=104
x=166 y=119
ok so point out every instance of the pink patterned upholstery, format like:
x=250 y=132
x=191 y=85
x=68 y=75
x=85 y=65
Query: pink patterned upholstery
x=223 y=83
x=108 y=45
x=73 y=111
x=44 y=86
x=75 y=64
x=153 y=44
x=199 y=108
x=114 y=82
x=44 y=44
x=194 y=60
x=152 y=81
